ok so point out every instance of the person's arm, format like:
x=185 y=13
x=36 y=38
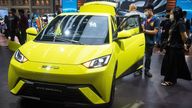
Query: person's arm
x=151 y=32
x=184 y=36
x=156 y=28
x=182 y=29
x=188 y=27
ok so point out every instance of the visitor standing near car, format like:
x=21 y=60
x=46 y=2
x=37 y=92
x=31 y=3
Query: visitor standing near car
x=165 y=25
x=150 y=28
x=132 y=8
x=174 y=64
x=187 y=22
x=13 y=22
x=3 y=26
x=187 y=25
x=6 y=20
x=23 y=25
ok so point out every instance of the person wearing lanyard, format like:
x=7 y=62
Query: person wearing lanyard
x=150 y=28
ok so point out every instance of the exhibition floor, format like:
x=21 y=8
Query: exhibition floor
x=131 y=92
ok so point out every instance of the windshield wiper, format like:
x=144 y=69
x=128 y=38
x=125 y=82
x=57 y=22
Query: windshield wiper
x=68 y=40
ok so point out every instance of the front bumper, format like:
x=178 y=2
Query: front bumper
x=57 y=92
x=93 y=85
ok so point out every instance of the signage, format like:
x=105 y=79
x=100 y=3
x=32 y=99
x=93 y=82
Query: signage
x=159 y=5
x=3 y=12
x=69 y=5
x=186 y=5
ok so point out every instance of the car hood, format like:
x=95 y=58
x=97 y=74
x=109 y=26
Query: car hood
x=63 y=53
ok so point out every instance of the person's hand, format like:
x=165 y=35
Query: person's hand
x=185 y=48
x=142 y=26
x=144 y=30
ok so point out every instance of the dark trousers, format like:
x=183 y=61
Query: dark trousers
x=174 y=65
x=164 y=40
x=6 y=33
x=148 y=54
x=12 y=35
x=22 y=37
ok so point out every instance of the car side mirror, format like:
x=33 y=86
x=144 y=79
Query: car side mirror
x=123 y=34
x=31 y=33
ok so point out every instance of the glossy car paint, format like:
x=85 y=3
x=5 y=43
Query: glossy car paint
x=63 y=63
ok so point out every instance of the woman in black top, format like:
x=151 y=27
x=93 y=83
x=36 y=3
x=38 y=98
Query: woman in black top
x=174 y=65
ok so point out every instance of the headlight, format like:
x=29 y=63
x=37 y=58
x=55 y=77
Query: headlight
x=20 y=57
x=99 y=62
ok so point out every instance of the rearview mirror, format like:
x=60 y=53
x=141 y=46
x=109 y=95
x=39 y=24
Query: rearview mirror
x=31 y=33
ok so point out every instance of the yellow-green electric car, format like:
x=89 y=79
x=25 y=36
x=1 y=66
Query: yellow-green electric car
x=78 y=57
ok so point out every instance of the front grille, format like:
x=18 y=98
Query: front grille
x=54 y=92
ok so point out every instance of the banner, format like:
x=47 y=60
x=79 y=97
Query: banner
x=3 y=12
x=186 y=5
x=69 y=5
x=159 y=5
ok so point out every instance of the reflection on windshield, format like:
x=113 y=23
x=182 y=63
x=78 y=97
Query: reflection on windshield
x=80 y=29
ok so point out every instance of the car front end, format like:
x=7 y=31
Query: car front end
x=58 y=67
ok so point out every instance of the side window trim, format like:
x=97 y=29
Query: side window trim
x=138 y=22
x=112 y=25
x=136 y=17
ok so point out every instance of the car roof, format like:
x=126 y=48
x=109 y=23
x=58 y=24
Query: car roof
x=99 y=7
x=84 y=13
x=102 y=2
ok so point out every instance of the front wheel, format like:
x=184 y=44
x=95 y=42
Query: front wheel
x=110 y=103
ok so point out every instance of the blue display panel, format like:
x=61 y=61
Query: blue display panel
x=159 y=5
x=3 y=12
x=69 y=5
x=186 y=5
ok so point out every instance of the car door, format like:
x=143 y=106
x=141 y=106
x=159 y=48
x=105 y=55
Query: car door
x=131 y=48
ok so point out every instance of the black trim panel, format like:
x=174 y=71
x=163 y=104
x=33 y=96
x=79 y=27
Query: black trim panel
x=32 y=34
x=55 y=92
x=132 y=69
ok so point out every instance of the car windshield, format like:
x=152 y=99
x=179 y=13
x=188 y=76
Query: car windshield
x=76 y=29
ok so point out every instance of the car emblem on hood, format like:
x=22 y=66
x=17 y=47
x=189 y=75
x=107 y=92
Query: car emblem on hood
x=47 y=67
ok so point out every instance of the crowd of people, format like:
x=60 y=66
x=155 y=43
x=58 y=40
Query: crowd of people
x=12 y=25
x=15 y=25
x=165 y=27
x=175 y=40
x=174 y=64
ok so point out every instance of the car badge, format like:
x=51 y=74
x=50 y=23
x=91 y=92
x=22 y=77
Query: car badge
x=47 y=67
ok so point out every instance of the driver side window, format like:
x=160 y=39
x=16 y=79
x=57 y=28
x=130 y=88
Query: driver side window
x=130 y=23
